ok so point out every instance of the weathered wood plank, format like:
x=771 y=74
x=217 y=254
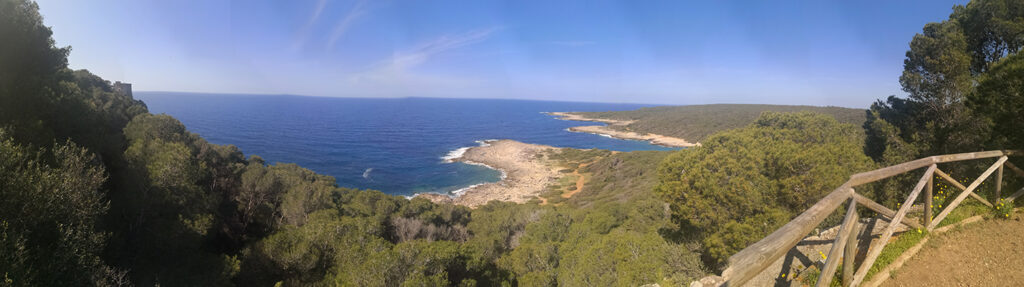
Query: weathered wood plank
x=1014 y=168
x=972 y=155
x=876 y=248
x=953 y=181
x=1016 y=195
x=751 y=260
x=999 y=183
x=970 y=189
x=885 y=211
x=838 y=245
x=886 y=172
x=850 y=253
x=928 y=199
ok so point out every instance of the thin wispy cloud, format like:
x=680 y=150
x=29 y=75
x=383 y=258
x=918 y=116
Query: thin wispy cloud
x=397 y=75
x=303 y=35
x=572 y=43
x=422 y=52
x=317 y=11
x=346 y=22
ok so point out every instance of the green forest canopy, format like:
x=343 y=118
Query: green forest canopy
x=98 y=191
x=744 y=183
x=695 y=123
x=964 y=81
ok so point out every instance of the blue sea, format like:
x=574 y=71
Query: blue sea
x=395 y=145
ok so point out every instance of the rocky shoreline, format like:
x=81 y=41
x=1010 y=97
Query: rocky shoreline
x=526 y=170
x=657 y=139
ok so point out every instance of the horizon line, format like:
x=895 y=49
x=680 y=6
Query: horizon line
x=471 y=98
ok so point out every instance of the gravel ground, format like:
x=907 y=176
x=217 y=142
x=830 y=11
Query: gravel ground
x=982 y=254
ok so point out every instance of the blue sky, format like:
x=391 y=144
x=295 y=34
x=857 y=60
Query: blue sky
x=844 y=53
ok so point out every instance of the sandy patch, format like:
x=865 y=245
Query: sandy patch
x=653 y=138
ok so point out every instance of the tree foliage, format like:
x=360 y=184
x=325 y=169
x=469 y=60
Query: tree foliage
x=50 y=214
x=696 y=122
x=742 y=184
x=1000 y=97
x=97 y=191
x=942 y=69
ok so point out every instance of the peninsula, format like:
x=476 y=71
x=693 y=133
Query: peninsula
x=526 y=172
x=693 y=123
x=618 y=129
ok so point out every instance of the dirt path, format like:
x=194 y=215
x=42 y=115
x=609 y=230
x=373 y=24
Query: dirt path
x=987 y=253
x=580 y=180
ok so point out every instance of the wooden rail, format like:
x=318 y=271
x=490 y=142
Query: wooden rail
x=754 y=259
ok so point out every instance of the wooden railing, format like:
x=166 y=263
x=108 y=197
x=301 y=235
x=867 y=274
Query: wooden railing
x=753 y=260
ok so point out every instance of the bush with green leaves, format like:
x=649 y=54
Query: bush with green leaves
x=1003 y=208
x=742 y=184
x=50 y=211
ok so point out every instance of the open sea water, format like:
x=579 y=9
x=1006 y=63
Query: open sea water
x=396 y=145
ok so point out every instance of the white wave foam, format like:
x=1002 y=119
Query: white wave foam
x=455 y=154
x=600 y=134
x=410 y=197
x=461 y=191
x=451 y=156
x=458 y=153
x=486 y=142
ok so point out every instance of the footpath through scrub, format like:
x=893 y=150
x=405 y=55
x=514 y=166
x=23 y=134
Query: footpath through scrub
x=986 y=253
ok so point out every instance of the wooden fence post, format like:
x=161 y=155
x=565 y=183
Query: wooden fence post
x=832 y=262
x=999 y=183
x=970 y=189
x=748 y=262
x=875 y=249
x=850 y=254
x=884 y=211
x=1014 y=168
x=953 y=181
x=928 y=201
x=752 y=260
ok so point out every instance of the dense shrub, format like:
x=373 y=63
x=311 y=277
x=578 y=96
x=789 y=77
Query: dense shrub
x=744 y=183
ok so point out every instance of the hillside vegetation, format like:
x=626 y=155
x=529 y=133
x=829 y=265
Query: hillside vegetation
x=963 y=77
x=697 y=122
x=744 y=183
x=621 y=177
x=95 y=190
